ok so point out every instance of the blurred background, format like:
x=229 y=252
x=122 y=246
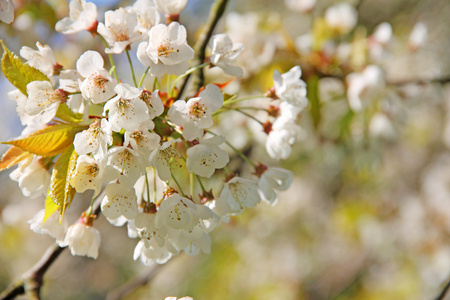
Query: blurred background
x=368 y=213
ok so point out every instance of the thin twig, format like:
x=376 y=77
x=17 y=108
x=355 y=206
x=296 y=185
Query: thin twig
x=217 y=11
x=444 y=292
x=420 y=81
x=32 y=280
x=136 y=282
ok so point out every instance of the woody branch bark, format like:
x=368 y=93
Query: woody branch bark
x=198 y=80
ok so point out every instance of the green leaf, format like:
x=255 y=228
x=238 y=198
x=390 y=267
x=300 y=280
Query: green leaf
x=50 y=207
x=49 y=141
x=17 y=72
x=313 y=96
x=66 y=114
x=13 y=156
x=60 y=191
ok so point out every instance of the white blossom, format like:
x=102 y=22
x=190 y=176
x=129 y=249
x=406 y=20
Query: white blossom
x=43 y=100
x=341 y=17
x=88 y=175
x=147 y=15
x=142 y=140
x=124 y=164
x=281 y=138
x=119 y=30
x=149 y=251
x=98 y=85
x=119 y=200
x=126 y=110
x=303 y=6
x=237 y=194
x=82 y=16
x=203 y=159
x=364 y=86
x=167 y=51
x=7 y=11
x=21 y=101
x=52 y=226
x=224 y=54
x=83 y=240
x=171 y=7
x=69 y=81
x=196 y=114
x=290 y=88
x=418 y=36
x=94 y=140
x=160 y=158
x=154 y=104
x=274 y=179
x=41 y=59
x=177 y=212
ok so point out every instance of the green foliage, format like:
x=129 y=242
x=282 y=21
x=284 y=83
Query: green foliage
x=60 y=192
x=17 y=72
x=13 y=156
x=50 y=141
x=66 y=114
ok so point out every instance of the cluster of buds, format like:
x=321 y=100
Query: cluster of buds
x=140 y=149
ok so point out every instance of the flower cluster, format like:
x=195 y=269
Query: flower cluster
x=140 y=149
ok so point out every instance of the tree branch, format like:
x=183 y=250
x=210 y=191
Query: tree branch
x=217 y=11
x=31 y=281
x=420 y=81
x=140 y=280
x=444 y=292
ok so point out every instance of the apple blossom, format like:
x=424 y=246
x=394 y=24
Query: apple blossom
x=364 y=86
x=42 y=59
x=341 y=17
x=82 y=239
x=119 y=30
x=124 y=164
x=160 y=158
x=88 y=175
x=7 y=11
x=196 y=114
x=224 y=54
x=94 y=140
x=290 y=88
x=171 y=7
x=167 y=51
x=274 y=179
x=98 y=85
x=43 y=100
x=53 y=226
x=82 y=16
x=203 y=159
x=147 y=15
x=119 y=200
x=126 y=110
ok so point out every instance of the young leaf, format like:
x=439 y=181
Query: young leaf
x=49 y=141
x=50 y=207
x=66 y=114
x=11 y=157
x=69 y=191
x=17 y=72
x=60 y=191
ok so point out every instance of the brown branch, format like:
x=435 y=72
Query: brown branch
x=444 y=292
x=133 y=284
x=31 y=281
x=217 y=11
x=420 y=81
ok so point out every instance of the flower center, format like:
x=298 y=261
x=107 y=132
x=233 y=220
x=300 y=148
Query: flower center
x=197 y=110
